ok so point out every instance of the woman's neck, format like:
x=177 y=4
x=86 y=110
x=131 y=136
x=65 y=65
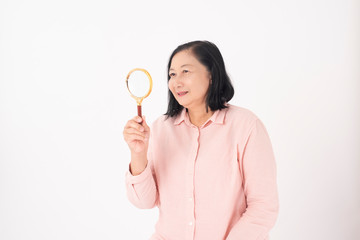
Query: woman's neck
x=199 y=116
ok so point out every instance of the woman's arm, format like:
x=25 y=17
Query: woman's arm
x=260 y=187
x=140 y=178
x=141 y=189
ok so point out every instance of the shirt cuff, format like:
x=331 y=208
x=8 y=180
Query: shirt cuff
x=131 y=179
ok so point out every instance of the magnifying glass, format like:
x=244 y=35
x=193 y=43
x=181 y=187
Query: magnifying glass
x=139 y=84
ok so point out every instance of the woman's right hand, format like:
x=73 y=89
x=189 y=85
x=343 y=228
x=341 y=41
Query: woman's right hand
x=136 y=135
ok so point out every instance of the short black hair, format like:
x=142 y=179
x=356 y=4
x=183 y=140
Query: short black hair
x=220 y=91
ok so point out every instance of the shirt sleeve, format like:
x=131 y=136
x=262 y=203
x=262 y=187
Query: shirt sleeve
x=260 y=187
x=141 y=189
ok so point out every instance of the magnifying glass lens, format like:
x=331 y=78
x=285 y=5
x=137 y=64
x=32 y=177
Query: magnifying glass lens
x=138 y=83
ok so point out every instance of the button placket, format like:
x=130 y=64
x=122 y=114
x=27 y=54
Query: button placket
x=190 y=183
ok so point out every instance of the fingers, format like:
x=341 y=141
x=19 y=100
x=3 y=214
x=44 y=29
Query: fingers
x=134 y=134
x=135 y=137
x=136 y=129
x=135 y=123
x=132 y=131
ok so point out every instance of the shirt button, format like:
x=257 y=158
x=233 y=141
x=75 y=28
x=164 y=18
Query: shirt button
x=190 y=223
x=190 y=199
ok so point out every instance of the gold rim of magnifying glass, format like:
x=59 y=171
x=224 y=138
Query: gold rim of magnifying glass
x=139 y=99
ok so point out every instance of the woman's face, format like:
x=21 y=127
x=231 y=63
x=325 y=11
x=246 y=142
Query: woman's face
x=189 y=80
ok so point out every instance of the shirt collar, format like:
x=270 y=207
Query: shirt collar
x=218 y=117
x=181 y=117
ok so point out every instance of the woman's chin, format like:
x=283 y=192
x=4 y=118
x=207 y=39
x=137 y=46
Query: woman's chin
x=182 y=103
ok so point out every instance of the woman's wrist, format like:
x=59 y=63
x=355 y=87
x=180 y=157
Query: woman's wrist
x=138 y=163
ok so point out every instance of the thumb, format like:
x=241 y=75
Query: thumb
x=145 y=124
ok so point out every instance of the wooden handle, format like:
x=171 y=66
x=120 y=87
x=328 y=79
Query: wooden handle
x=139 y=110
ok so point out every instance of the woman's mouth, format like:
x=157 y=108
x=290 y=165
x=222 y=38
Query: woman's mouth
x=180 y=94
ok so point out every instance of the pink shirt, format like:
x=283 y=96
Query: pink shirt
x=214 y=182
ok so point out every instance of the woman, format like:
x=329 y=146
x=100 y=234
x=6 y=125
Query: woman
x=207 y=165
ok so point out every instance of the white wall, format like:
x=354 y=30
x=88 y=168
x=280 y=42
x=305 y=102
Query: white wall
x=63 y=106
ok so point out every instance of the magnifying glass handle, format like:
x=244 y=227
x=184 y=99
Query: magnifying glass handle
x=139 y=111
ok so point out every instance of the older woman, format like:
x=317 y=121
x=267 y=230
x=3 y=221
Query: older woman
x=207 y=165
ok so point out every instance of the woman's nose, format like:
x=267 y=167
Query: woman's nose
x=178 y=80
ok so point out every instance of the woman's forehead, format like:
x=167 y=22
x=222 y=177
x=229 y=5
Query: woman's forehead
x=184 y=59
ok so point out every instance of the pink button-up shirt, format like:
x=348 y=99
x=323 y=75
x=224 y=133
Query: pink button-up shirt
x=214 y=182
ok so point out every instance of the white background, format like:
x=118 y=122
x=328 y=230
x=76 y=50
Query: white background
x=63 y=106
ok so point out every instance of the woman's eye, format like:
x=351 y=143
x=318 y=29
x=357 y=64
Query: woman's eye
x=172 y=74
x=185 y=71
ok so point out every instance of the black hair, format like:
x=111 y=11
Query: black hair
x=220 y=91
